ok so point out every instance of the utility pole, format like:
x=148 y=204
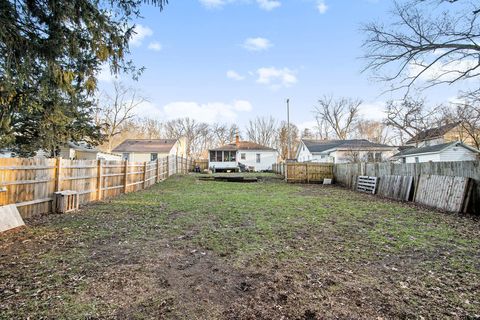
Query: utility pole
x=288 y=129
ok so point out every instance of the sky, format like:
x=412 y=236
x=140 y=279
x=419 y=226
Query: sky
x=233 y=60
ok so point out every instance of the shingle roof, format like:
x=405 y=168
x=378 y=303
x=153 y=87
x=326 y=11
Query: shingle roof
x=430 y=149
x=145 y=145
x=433 y=133
x=318 y=146
x=82 y=146
x=242 y=145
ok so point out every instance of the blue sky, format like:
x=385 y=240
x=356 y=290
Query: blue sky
x=233 y=60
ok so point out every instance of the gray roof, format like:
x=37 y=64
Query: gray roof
x=433 y=133
x=82 y=146
x=146 y=145
x=431 y=149
x=318 y=146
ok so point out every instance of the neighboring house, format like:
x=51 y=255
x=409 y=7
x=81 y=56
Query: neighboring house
x=85 y=151
x=141 y=150
x=5 y=153
x=343 y=151
x=249 y=154
x=450 y=132
x=451 y=151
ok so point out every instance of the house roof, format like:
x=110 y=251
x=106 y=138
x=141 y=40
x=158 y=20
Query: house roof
x=319 y=146
x=145 y=145
x=82 y=146
x=433 y=149
x=242 y=145
x=433 y=133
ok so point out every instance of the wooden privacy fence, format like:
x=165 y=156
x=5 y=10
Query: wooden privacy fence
x=30 y=184
x=438 y=187
x=296 y=172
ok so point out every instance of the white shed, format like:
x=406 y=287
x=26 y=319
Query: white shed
x=452 y=151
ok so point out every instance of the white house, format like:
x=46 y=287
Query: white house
x=140 y=150
x=452 y=151
x=84 y=151
x=242 y=153
x=343 y=151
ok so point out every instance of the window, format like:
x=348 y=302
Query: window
x=243 y=156
x=213 y=156
x=417 y=160
x=229 y=156
x=378 y=157
x=370 y=157
x=153 y=156
x=219 y=156
x=125 y=156
x=258 y=157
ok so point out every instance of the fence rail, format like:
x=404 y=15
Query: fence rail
x=30 y=183
x=304 y=172
x=394 y=177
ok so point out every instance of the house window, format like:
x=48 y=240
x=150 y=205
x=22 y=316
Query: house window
x=213 y=155
x=378 y=157
x=219 y=156
x=370 y=157
x=417 y=160
x=125 y=156
x=258 y=157
x=243 y=156
x=229 y=156
x=153 y=156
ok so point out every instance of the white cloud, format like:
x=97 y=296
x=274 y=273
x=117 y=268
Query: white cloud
x=232 y=74
x=139 y=34
x=442 y=71
x=373 y=110
x=276 y=78
x=269 y=4
x=155 y=46
x=257 y=44
x=263 y=4
x=150 y=110
x=212 y=3
x=206 y=112
x=322 y=6
x=106 y=75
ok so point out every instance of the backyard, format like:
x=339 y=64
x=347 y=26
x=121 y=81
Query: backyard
x=191 y=249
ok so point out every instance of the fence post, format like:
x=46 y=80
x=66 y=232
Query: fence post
x=157 y=178
x=176 y=164
x=125 y=182
x=144 y=174
x=168 y=167
x=306 y=170
x=58 y=169
x=99 y=179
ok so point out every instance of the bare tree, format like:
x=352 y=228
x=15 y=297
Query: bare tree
x=436 y=41
x=374 y=131
x=282 y=139
x=262 y=131
x=340 y=114
x=408 y=117
x=115 y=110
x=467 y=115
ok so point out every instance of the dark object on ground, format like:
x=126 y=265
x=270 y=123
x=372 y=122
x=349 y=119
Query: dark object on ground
x=229 y=179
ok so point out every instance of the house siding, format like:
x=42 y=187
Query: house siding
x=267 y=159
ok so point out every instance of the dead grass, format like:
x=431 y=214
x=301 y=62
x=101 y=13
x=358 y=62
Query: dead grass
x=189 y=249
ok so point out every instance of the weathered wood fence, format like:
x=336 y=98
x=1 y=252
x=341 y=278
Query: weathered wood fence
x=346 y=174
x=30 y=183
x=306 y=172
x=398 y=180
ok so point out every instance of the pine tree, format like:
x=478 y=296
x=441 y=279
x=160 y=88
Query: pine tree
x=50 y=54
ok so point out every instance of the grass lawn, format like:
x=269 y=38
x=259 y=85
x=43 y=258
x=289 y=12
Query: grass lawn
x=189 y=249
